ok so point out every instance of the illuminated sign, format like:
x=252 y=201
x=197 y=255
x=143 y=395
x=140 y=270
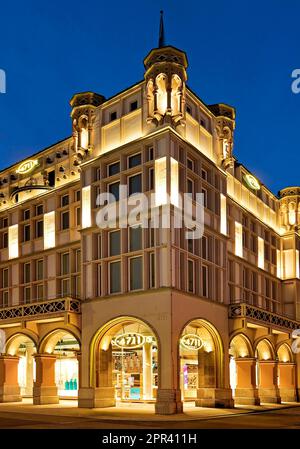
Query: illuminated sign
x=27 y=166
x=191 y=341
x=131 y=340
x=251 y=182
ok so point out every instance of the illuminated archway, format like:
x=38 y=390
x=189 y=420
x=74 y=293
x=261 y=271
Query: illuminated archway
x=65 y=346
x=201 y=359
x=284 y=353
x=240 y=347
x=24 y=347
x=124 y=361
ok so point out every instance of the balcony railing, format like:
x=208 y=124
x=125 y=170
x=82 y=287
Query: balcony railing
x=256 y=314
x=54 y=306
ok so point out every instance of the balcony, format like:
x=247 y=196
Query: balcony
x=50 y=308
x=261 y=317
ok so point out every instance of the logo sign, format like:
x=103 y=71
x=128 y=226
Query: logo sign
x=131 y=340
x=192 y=342
x=251 y=182
x=27 y=166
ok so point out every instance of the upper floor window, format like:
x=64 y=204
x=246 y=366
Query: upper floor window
x=39 y=269
x=190 y=164
x=5 y=278
x=114 y=189
x=39 y=209
x=134 y=160
x=133 y=105
x=26 y=214
x=39 y=228
x=26 y=272
x=26 y=233
x=65 y=220
x=135 y=184
x=65 y=263
x=64 y=200
x=113 y=169
x=113 y=116
x=135 y=238
x=114 y=243
x=77 y=195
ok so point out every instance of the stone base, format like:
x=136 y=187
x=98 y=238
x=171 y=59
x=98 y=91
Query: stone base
x=96 y=397
x=10 y=393
x=214 y=397
x=288 y=394
x=45 y=395
x=246 y=396
x=168 y=402
x=269 y=395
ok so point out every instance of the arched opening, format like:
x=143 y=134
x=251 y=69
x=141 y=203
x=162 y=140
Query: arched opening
x=239 y=348
x=267 y=372
x=65 y=347
x=284 y=353
x=24 y=347
x=286 y=373
x=201 y=353
x=263 y=352
x=124 y=356
x=161 y=93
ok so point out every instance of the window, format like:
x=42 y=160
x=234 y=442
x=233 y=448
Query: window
x=65 y=220
x=114 y=243
x=78 y=260
x=27 y=295
x=77 y=286
x=135 y=238
x=204 y=244
x=135 y=184
x=113 y=169
x=188 y=109
x=190 y=186
x=133 y=105
x=113 y=116
x=4 y=299
x=26 y=272
x=39 y=269
x=99 y=279
x=190 y=276
x=39 y=228
x=39 y=210
x=136 y=273
x=151 y=178
x=115 y=277
x=26 y=214
x=78 y=216
x=204 y=281
x=204 y=174
x=114 y=189
x=5 y=240
x=135 y=160
x=5 y=278
x=190 y=164
x=204 y=197
x=65 y=287
x=40 y=292
x=77 y=195
x=64 y=200
x=152 y=270
x=150 y=154
x=51 y=178
x=65 y=263
x=99 y=245
x=26 y=233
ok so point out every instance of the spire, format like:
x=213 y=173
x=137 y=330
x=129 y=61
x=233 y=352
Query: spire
x=161 y=40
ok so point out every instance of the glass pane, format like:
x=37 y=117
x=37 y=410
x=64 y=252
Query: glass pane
x=135 y=184
x=134 y=160
x=113 y=169
x=114 y=243
x=115 y=277
x=114 y=189
x=136 y=273
x=135 y=238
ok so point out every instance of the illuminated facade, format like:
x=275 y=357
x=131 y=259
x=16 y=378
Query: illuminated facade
x=144 y=314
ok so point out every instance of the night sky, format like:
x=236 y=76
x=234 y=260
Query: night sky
x=240 y=52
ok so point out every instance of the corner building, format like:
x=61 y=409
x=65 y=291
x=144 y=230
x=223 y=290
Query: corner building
x=143 y=314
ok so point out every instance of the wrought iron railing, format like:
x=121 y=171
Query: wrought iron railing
x=53 y=306
x=253 y=313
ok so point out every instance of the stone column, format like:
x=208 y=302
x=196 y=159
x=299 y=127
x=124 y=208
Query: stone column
x=168 y=400
x=246 y=392
x=9 y=387
x=29 y=369
x=268 y=388
x=208 y=393
x=147 y=371
x=287 y=384
x=44 y=388
x=104 y=395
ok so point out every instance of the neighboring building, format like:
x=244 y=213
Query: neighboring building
x=138 y=313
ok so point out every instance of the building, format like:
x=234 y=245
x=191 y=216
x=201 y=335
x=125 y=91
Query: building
x=145 y=314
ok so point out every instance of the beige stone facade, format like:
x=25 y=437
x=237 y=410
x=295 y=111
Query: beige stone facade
x=141 y=313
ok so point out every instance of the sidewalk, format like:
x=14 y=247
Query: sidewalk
x=133 y=412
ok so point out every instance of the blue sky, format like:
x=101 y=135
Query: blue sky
x=240 y=52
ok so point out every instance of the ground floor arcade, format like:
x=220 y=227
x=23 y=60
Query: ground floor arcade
x=165 y=350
